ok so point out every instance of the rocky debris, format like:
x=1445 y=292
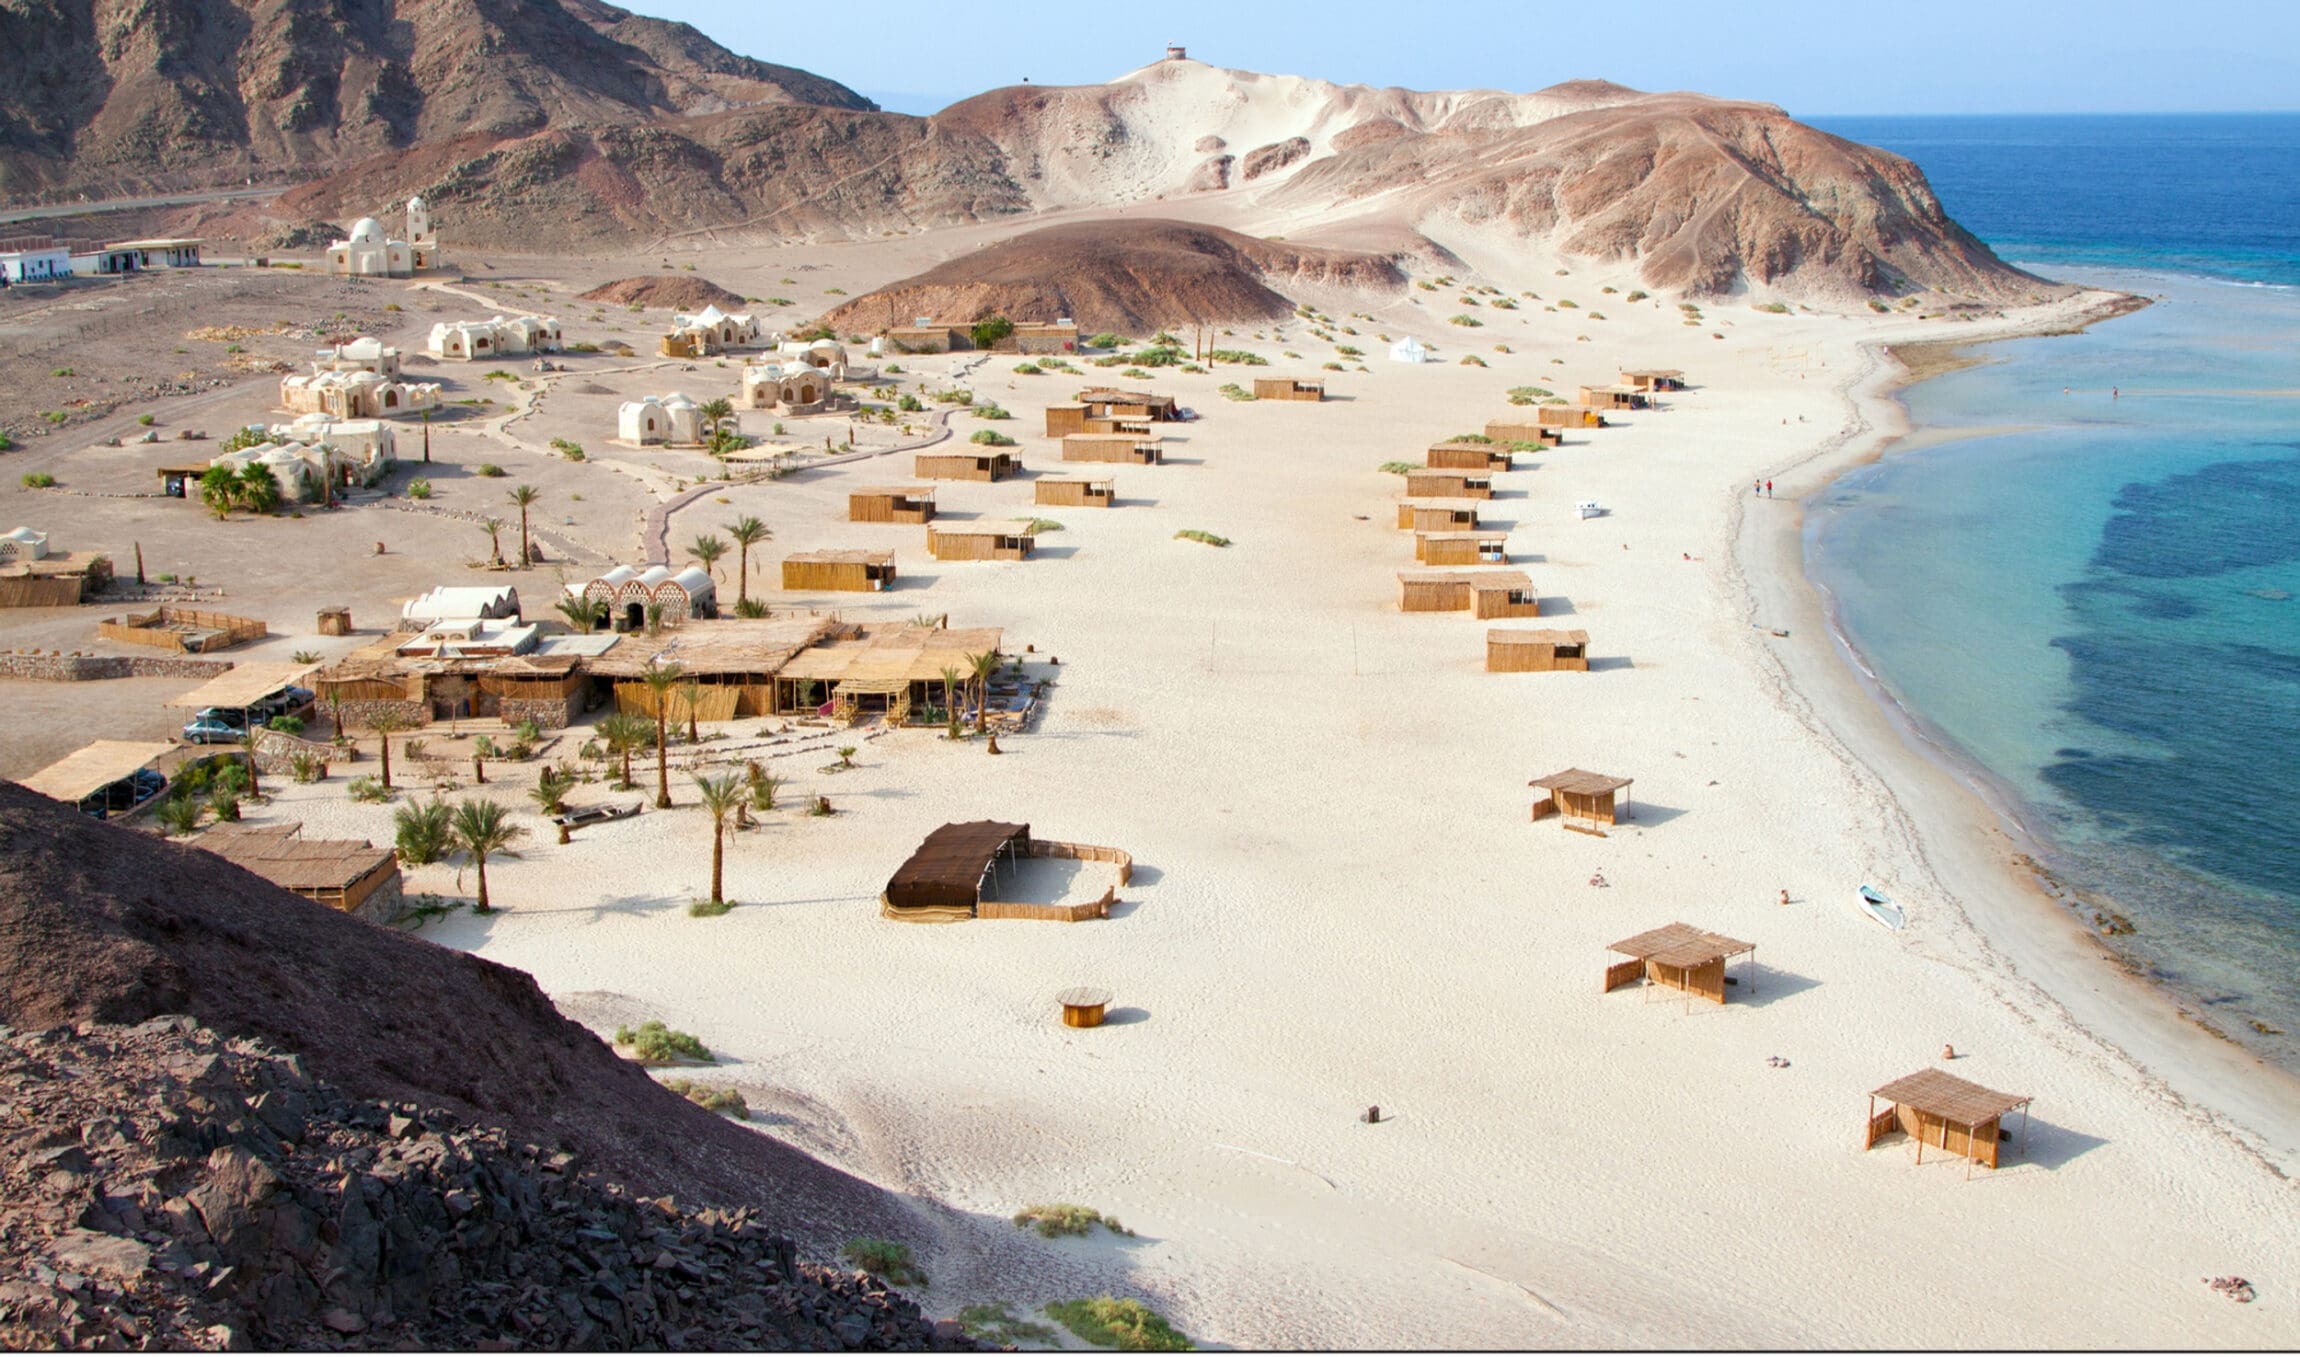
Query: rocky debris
x=162 y=1186
x=672 y=292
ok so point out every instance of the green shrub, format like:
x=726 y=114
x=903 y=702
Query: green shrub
x=711 y=1097
x=1398 y=468
x=1527 y=395
x=498 y=375
x=489 y=469
x=991 y=438
x=1158 y=356
x=419 y=489
x=1471 y=360
x=1027 y=370
x=1233 y=391
x=286 y=725
x=54 y=416
x=147 y=421
x=37 y=480
x=1349 y=351
x=1563 y=304
x=995 y=1322
x=708 y=909
x=750 y=607
x=1106 y=340
x=1774 y=308
x=305 y=766
x=908 y=403
x=1127 y=1325
x=1636 y=295
x=179 y=814
x=7 y=444
x=1465 y=321
x=1239 y=358
x=1201 y=535
x=1065 y=1218
x=62 y=372
x=884 y=1258
x=652 y=1043
x=990 y=410
x=1038 y=525
x=420 y=831
x=367 y=789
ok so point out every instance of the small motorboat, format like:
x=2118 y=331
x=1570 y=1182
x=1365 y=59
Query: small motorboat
x=1882 y=910
x=596 y=815
x=1589 y=508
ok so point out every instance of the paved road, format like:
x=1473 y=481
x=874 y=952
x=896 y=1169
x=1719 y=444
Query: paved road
x=21 y=213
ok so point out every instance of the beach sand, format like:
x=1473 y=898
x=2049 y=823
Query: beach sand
x=1339 y=899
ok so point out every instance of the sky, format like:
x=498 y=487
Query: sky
x=1814 y=59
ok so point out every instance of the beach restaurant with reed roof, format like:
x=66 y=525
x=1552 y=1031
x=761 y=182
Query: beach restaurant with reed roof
x=1955 y=1116
x=1680 y=957
x=1579 y=794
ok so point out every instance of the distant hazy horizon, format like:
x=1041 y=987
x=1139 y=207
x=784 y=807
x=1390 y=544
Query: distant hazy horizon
x=1969 y=57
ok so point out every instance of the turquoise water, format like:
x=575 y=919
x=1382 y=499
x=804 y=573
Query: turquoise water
x=2097 y=600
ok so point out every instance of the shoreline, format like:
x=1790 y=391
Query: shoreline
x=1967 y=833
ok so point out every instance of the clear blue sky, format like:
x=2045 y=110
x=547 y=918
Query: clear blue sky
x=1813 y=58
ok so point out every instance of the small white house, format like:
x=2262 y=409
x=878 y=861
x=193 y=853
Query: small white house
x=710 y=331
x=364 y=354
x=371 y=253
x=34 y=259
x=1409 y=350
x=22 y=544
x=368 y=444
x=356 y=395
x=496 y=337
x=672 y=419
x=789 y=388
x=457 y=603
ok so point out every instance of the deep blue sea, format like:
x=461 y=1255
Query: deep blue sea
x=2093 y=593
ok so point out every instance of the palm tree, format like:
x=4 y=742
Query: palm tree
x=950 y=678
x=494 y=528
x=482 y=829
x=715 y=413
x=660 y=680
x=708 y=549
x=550 y=790
x=581 y=613
x=524 y=495
x=691 y=693
x=985 y=665
x=220 y=490
x=624 y=734
x=386 y=723
x=259 y=488
x=748 y=532
x=721 y=795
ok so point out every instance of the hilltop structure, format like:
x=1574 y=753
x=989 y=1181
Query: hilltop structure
x=370 y=253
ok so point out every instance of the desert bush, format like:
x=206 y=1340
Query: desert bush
x=886 y=1259
x=286 y=725
x=1233 y=391
x=1636 y=295
x=1471 y=360
x=305 y=766
x=1467 y=322
x=711 y=1097
x=1201 y=535
x=419 y=489
x=991 y=438
x=1245 y=358
x=420 y=832
x=37 y=480
x=995 y=1322
x=1038 y=525
x=1027 y=370
x=1054 y=1219
x=708 y=909
x=653 y=1043
x=1774 y=308
x=1398 y=468
x=368 y=790
x=179 y=814
x=1127 y=1325
x=488 y=469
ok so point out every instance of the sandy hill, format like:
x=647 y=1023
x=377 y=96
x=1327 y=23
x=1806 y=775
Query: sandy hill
x=104 y=924
x=1132 y=276
x=673 y=291
x=106 y=96
x=1679 y=191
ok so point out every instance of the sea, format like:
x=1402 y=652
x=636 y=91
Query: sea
x=2081 y=577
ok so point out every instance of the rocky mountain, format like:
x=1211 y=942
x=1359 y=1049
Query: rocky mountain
x=113 y=96
x=1129 y=275
x=100 y=924
x=1678 y=191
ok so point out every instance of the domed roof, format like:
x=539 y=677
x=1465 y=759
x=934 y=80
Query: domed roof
x=416 y=201
x=367 y=229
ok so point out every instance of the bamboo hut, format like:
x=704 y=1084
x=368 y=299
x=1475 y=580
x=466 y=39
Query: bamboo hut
x=1578 y=794
x=1288 y=389
x=1437 y=515
x=1517 y=429
x=350 y=875
x=740 y=663
x=1436 y=483
x=1105 y=402
x=1509 y=650
x=1653 y=379
x=1485 y=593
x=1084 y=492
x=1139 y=449
x=1955 y=1116
x=1680 y=957
x=890 y=504
x=1612 y=397
x=335 y=621
x=891 y=671
x=1063 y=420
x=983 y=540
x=1569 y=417
x=1456 y=455
x=964 y=466
x=853 y=571
x=1479 y=546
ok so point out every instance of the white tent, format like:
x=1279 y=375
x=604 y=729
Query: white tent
x=1409 y=350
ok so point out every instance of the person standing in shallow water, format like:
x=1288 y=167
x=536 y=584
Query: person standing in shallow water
x=1768 y=490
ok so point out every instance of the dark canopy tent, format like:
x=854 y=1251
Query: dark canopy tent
x=945 y=874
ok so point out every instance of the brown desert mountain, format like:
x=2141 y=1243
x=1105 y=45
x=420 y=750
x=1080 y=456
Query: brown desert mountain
x=1131 y=275
x=113 y=96
x=110 y=925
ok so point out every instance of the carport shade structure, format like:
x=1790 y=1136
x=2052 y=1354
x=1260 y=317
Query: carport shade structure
x=1961 y=1116
x=1682 y=957
x=943 y=879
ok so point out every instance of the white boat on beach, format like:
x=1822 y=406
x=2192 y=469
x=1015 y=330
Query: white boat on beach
x=1589 y=508
x=1884 y=911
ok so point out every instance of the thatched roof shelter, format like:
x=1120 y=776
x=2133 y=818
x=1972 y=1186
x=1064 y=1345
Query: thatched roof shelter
x=1680 y=957
x=339 y=873
x=1579 y=793
x=93 y=767
x=943 y=879
x=243 y=685
x=1951 y=1114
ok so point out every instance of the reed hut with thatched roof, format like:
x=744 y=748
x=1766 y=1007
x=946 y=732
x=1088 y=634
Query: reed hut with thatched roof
x=1519 y=429
x=351 y=875
x=1569 y=417
x=1954 y=1116
x=1079 y=492
x=1510 y=650
x=854 y=570
x=1612 y=397
x=1106 y=402
x=956 y=874
x=981 y=540
x=1427 y=515
x=891 y=504
x=1579 y=794
x=1653 y=379
x=1459 y=454
x=1477 y=546
x=964 y=466
x=1288 y=389
x=1443 y=483
x=1483 y=593
x=1139 y=449
x=1679 y=957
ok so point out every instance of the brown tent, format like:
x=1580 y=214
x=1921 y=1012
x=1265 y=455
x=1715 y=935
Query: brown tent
x=943 y=879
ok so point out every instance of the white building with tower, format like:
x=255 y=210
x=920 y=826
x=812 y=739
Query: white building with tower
x=371 y=253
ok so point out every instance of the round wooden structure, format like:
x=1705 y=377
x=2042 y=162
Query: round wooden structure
x=1083 y=1007
x=335 y=621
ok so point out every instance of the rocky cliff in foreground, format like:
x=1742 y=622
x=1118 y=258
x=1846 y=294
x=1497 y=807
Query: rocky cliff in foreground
x=162 y=1187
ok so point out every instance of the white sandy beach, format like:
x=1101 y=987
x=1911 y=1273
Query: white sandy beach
x=1339 y=901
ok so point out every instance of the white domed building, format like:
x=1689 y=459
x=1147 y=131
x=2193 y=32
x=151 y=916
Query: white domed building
x=370 y=253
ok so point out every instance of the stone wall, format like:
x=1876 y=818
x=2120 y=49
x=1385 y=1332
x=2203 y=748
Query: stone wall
x=358 y=712
x=555 y=713
x=85 y=668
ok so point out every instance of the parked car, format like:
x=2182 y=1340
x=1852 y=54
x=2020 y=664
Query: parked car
x=125 y=795
x=216 y=725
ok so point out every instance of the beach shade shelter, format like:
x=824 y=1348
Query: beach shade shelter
x=890 y=504
x=982 y=540
x=100 y=778
x=1478 y=546
x=1954 y=1115
x=1517 y=429
x=1455 y=455
x=1509 y=650
x=1437 y=515
x=1438 y=483
x=1085 y=492
x=1409 y=350
x=942 y=882
x=1140 y=449
x=854 y=571
x=244 y=685
x=351 y=875
x=1653 y=379
x=964 y=466
x=1569 y=417
x=1680 y=957
x=1579 y=794
x=1288 y=389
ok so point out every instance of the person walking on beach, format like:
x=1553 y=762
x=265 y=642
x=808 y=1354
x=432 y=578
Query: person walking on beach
x=2112 y=393
x=1768 y=489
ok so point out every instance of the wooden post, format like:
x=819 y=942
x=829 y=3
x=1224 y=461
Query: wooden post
x=139 y=565
x=1869 y=1127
